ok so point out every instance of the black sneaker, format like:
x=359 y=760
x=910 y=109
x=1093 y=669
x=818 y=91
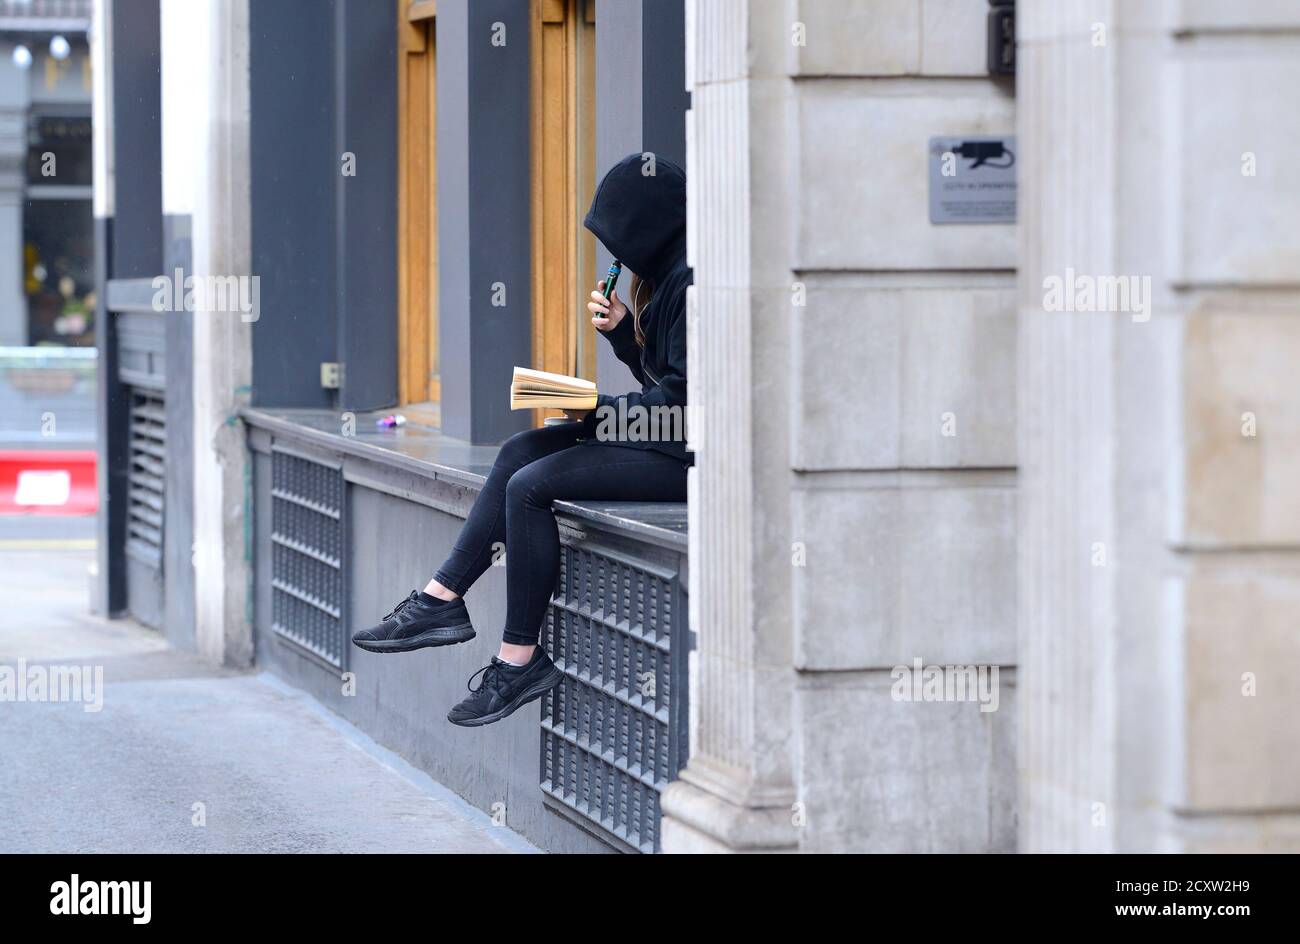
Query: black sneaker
x=418 y=621
x=504 y=688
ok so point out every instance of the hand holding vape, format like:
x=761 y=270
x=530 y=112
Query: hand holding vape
x=600 y=304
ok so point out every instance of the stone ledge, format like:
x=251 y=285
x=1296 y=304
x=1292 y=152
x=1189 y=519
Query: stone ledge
x=425 y=452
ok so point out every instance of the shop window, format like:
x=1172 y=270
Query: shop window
x=58 y=230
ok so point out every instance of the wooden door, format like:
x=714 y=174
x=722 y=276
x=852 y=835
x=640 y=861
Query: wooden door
x=563 y=179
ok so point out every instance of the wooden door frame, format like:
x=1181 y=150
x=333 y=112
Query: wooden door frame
x=559 y=127
x=417 y=218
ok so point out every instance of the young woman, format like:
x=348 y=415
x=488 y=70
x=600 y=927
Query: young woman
x=639 y=213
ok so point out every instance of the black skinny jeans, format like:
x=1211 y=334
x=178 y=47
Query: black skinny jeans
x=533 y=469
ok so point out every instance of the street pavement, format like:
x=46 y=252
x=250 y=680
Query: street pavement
x=183 y=756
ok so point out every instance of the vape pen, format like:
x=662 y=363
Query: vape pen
x=611 y=279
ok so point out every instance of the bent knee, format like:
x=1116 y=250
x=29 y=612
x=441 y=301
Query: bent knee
x=520 y=449
x=526 y=488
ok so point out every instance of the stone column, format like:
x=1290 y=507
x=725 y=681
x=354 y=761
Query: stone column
x=222 y=340
x=852 y=505
x=1065 y=425
x=737 y=792
x=483 y=183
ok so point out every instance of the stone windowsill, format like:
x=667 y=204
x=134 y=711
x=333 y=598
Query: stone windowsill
x=425 y=451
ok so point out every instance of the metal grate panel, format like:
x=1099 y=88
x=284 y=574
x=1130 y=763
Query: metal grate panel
x=612 y=738
x=146 y=475
x=307 y=554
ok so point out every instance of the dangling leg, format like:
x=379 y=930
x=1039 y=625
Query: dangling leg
x=484 y=531
x=437 y=616
x=522 y=672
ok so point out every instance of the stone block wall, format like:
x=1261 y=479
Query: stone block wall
x=854 y=494
x=1159 y=520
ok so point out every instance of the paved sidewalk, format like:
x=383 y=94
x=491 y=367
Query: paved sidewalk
x=272 y=769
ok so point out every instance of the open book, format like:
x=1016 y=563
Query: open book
x=537 y=388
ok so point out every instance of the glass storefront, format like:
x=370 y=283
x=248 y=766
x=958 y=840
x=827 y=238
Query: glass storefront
x=58 y=231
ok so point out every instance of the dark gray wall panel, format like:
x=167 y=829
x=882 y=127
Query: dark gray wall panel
x=127 y=246
x=500 y=212
x=663 y=71
x=137 y=140
x=618 y=124
x=111 y=437
x=294 y=171
x=453 y=181
x=324 y=83
x=487 y=147
x=366 y=104
x=145 y=593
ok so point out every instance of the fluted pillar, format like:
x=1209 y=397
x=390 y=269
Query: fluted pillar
x=1066 y=618
x=737 y=791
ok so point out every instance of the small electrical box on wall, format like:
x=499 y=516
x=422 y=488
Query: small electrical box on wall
x=1002 y=37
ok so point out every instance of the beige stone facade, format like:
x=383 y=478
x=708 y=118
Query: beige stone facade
x=904 y=452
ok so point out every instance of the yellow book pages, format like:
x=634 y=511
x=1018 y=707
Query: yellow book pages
x=538 y=389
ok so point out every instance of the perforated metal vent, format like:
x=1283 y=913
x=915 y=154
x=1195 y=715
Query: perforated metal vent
x=307 y=554
x=612 y=736
x=146 y=475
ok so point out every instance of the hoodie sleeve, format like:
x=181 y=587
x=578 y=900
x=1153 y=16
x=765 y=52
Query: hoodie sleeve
x=622 y=338
x=671 y=388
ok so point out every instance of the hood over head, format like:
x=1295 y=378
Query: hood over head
x=641 y=217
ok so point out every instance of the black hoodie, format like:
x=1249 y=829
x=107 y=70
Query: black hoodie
x=641 y=219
